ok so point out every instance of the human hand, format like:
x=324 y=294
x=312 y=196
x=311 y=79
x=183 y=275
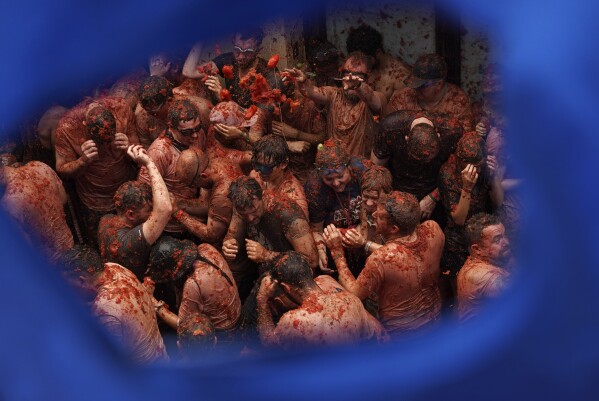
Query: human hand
x=332 y=237
x=138 y=154
x=353 y=238
x=495 y=170
x=481 y=129
x=230 y=249
x=296 y=73
x=351 y=81
x=427 y=205
x=298 y=146
x=149 y=285
x=256 y=252
x=159 y=66
x=213 y=83
x=90 y=151
x=469 y=177
x=282 y=129
x=228 y=131
x=267 y=288
x=120 y=141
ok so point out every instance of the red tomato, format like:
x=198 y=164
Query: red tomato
x=225 y=95
x=273 y=61
x=227 y=71
x=249 y=113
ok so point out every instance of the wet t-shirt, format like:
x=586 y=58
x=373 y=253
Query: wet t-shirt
x=342 y=209
x=410 y=175
x=477 y=282
x=124 y=245
x=211 y=290
x=405 y=276
x=454 y=102
x=101 y=178
x=126 y=310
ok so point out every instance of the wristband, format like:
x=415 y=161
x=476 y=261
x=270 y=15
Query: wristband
x=367 y=246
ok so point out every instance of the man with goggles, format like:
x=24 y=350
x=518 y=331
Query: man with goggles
x=350 y=107
x=244 y=57
x=184 y=131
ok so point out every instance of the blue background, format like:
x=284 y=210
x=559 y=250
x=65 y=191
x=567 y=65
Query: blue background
x=537 y=342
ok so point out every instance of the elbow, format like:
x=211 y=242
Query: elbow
x=458 y=219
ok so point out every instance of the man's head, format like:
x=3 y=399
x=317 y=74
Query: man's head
x=81 y=266
x=397 y=215
x=423 y=141
x=486 y=235
x=323 y=57
x=293 y=273
x=171 y=260
x=246 y=195
x=470 y=150
x=133 y=201
x=100 y=124
x=357 y=65
x=428 y=76
x=365 y=39
x=154 y=93
x=175 y=66
x=332 y=164
x=195 y=335
x=47 y=126
x=270 y=157
x=376 y=182
x=192 y=168
x=184 y=121
x=246 y=46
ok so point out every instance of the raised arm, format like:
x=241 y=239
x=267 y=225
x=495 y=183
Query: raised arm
x=190 y=68
x=460 y=212
x=307 y=87
x=161 y=205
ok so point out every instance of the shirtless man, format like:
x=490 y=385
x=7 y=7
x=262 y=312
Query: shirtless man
x=34 y=197
x=184 y=131
x=387 y=73
x=142 y=214
x=196 y=169
x=350 y=109
x=122 y=304
x=404 y=272
x=483 y=276
x=270 y=163
x=322 y=318
x=91 y=143
x=427 y=90
x=208 y=285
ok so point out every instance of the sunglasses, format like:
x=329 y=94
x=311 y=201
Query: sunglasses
x=335 y=170
x=244 y=51
x=190 y=131
x=264 y=169
x=428 y=84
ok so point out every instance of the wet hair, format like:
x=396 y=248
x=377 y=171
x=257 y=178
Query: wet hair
x=322 y=53
x=404 y=211
x=100 y=124
x=377 y=178
x=331 y=154
x=293 y=269
x=365 y=39
x=470 y=148
x=477 y=223
x=190 y=164
x=154 y=90
x=171 y=260
x=423 y=143
x=132 y=195
x=243 y=191
x=195 y=333
x=272 y=149
x=358 y=57
x=251 y=33
x=80 y=260
x=181 y=110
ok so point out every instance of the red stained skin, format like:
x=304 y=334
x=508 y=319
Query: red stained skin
x=273 y=61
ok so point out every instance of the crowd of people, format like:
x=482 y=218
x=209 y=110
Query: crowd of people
x=237 y=204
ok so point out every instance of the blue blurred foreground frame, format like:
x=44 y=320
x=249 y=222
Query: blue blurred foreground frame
x=537 y=342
